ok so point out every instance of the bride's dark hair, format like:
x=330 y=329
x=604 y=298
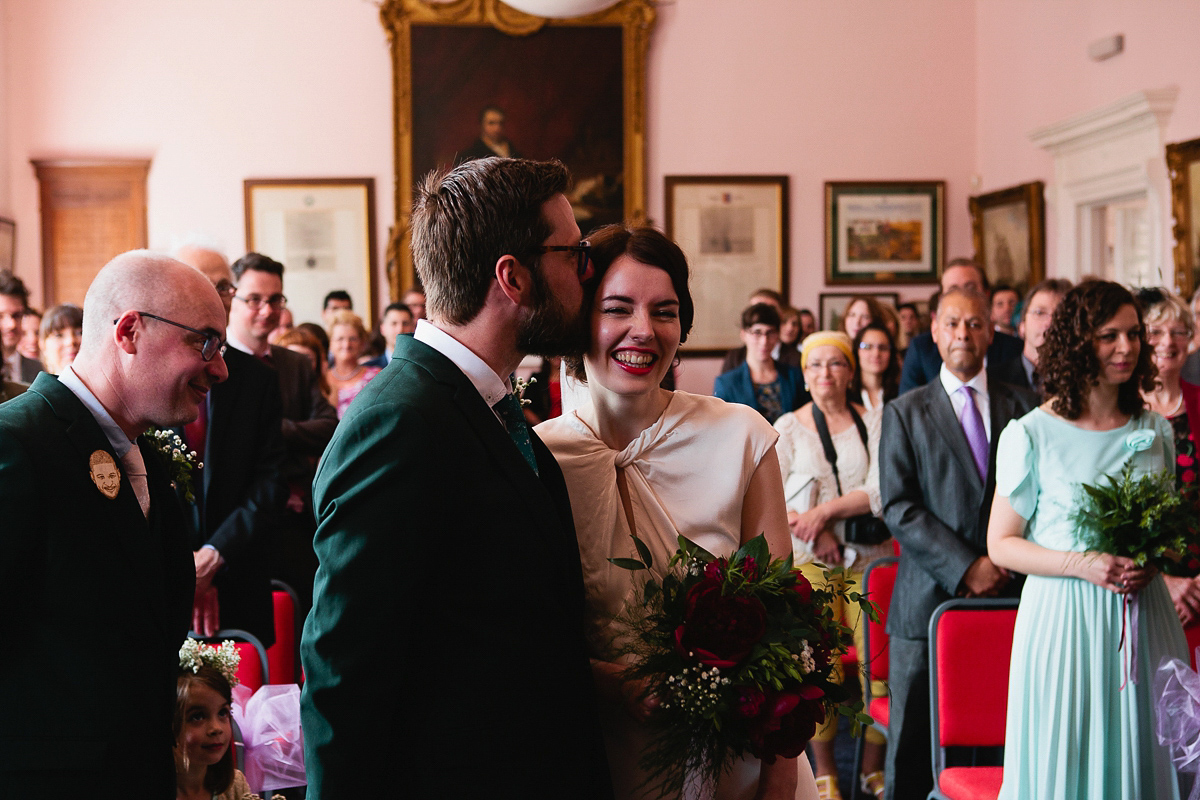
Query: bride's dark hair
x=645 y=245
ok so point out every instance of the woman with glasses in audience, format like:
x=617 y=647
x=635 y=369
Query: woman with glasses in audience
x=770 y=387
x=347 y=336
x=1080 y=721
x=877 y=375
x=60 y=334
x=630 y=457
x=828 y=452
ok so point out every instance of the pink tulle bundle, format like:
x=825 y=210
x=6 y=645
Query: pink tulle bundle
x=1178 y=717
x=270 y=724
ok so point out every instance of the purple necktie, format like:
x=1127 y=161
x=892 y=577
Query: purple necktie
x=972 y=424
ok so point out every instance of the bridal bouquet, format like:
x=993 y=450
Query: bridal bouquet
x=740 y=653
x=1145 y=518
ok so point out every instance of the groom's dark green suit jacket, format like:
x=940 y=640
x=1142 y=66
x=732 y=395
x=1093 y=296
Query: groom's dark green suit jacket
x=95 y=600
x=445 y=654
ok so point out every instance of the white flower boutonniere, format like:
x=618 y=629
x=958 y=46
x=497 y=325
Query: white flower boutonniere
x=179 y=460
x=519 y=387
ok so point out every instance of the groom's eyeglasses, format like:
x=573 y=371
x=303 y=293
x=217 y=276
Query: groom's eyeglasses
x=583 y=252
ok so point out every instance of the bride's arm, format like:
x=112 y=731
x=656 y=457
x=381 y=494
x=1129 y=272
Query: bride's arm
x=764 y=511
x=763 y=507
x=1008 y=548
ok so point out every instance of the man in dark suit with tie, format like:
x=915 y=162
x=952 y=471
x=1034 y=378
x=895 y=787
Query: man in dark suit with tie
x=937 y=459
x=96 y=573
x=445 y=652
x=922 y=360
x=14 y=304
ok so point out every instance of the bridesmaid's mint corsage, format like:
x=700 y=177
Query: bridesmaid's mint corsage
x=1140 y=440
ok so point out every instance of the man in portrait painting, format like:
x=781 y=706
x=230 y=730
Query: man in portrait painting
x=492 y=141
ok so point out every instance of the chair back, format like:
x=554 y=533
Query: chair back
x=283 y=656
x=252 y=670
x=970 y=646
x=879 y=580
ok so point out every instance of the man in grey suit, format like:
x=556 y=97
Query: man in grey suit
x=937 y=462
x=14 y=304
x=445 y=655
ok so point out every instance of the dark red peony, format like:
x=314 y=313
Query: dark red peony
x=803 y=588
x=720 y=631
x=749 y=701
x=788 y=721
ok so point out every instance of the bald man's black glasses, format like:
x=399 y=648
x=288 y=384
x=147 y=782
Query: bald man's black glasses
x=213 y=344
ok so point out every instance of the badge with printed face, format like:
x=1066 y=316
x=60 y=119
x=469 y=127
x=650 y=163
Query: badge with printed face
x=105 y=474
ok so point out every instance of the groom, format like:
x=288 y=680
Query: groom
x=444 y=653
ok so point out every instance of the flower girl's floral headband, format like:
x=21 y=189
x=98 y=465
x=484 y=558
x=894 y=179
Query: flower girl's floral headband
x=223 y=659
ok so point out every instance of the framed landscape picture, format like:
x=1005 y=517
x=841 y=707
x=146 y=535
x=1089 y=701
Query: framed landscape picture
x=733 y=230
x=476 y=78
x=884 y=231
x=1009 y=231
x=833 y=306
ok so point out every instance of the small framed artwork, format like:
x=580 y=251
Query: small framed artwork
x=884 y=231
x=8 y=243
x=323 y=231
x=833 y=306
x=1183 y=164
x=733 y=230
x=1009 y=231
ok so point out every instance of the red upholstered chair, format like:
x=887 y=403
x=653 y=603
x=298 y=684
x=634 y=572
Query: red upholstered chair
x=970 y=646
x=252 y=670
x=283 y=657
x=878 y=580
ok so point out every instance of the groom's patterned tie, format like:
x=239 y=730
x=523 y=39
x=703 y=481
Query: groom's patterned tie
x=972 y=423
x=510 y=411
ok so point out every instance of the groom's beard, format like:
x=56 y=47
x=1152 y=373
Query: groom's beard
x=551 y=329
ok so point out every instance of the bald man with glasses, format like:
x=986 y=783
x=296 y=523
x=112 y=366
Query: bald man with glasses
x=96 y=575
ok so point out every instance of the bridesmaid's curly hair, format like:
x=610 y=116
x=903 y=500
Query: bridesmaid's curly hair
x=1067 y=358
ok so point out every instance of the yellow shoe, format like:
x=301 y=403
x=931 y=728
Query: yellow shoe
x=827 y=788
x=872 y=784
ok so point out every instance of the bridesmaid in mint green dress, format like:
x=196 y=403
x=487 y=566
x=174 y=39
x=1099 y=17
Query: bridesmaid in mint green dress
x=1078 y=725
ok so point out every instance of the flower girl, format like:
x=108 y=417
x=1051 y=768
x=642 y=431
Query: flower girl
x=203 y=725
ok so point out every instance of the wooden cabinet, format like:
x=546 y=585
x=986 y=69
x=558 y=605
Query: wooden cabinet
x=91 y=211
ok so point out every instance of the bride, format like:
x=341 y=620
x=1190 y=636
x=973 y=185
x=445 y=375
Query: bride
x=645 y=460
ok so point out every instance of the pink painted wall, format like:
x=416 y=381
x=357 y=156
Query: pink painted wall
x=214 y=92
x=847 y=90
x=1033 y=70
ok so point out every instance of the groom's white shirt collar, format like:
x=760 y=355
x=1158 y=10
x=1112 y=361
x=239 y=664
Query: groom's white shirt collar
x=489 y=385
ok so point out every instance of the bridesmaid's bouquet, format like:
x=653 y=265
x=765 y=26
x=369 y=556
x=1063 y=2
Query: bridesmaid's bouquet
x=1146 y=519
x=740 y=653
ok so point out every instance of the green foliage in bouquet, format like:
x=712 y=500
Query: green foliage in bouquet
x=1146 y=518
x=741 y=653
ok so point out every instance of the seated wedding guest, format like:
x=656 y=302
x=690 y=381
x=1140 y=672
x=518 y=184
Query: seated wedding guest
x=861 y=312
x=910 y=320
x=302 y=341
x=286 y=323
x=14 y=303
x=1004 y=308
x=1036 y=313
x=1080 y=722
x=28 y=347
x=347 y=377
x=789 y=328
x=937 y=461
x=877 y=373
x=922 y=360
x=317 y=331
x=737 y=356
x=630 y=456
x=60 y=333
x=828 y=453
x=95 y=556
x=808 y=324
x=769 y=386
